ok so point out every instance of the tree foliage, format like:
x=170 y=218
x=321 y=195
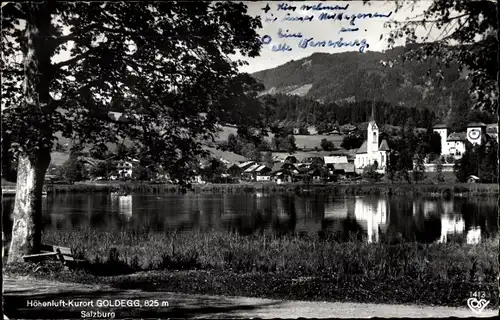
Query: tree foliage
x=268 y=159
x=418 y=168
x=351 y=142
x=370 y=173
x=290 y=111
x=164 y=65
x=327 y=145
x=472 y=26
x=72 y=170
x=481 y=161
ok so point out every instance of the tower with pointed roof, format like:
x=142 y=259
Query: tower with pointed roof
x=371 y=150
x=372 y=133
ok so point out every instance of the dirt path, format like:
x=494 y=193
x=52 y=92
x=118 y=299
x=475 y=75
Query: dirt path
x=18 y=291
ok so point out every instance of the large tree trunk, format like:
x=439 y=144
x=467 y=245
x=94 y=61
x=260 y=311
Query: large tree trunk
x=34 y=153
x=27 y=214
x=498 y=118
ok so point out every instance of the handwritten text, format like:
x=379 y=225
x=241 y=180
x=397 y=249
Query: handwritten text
x=286 y=34
x=319 y=6
x=342 y=16
x=304 y=43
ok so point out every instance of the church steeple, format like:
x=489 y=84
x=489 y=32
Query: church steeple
x=372 y=134
x=372 y=118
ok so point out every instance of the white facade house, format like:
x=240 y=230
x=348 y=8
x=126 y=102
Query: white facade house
x=125 y=169
x=371 y=151
x=335 y=160
x=454 y=143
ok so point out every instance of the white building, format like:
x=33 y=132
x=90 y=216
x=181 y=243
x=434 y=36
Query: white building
x=371 y=151
x=454 y=143
x=331 y=160
x=125 y=169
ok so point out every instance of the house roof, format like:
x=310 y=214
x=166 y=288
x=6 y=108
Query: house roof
x=262 y=168
x=312 y=159
x=456 y=136
x=277 y=166
x=476 y=124
x=362 y=149
x=234 y=165
x=492 y=129
x=440 y=126
x=284 y=166
x=115 y=115
x=347 y=167
x=384 y=146
x=252 y=168
x=336 y=159
x=246 y=164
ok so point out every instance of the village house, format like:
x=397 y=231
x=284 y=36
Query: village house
x=234 y=170
x=262 y=173
x=257 y=172
x=125 y=168
x=344 y=170
x=492 y=130
x=453 y=144
x=314 y=162
x=283 y=172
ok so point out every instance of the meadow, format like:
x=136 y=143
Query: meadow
x=302 y=141
x=285 y=267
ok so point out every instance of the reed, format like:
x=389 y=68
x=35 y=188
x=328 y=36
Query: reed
x=284 y=267
x=436 y=190
x=290 y=254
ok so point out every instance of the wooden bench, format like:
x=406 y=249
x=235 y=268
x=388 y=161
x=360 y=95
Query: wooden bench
x=63 y=254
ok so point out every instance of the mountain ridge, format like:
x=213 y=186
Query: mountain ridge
x=353 y=76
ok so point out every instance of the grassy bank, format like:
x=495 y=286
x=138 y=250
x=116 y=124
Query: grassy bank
x=111 y=187
x=286 y=267
x=437 y=190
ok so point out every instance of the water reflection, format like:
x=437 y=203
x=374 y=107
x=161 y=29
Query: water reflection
x=474 y=235
x=451 y=225
x=371 y=218
x=371 y=214
x=123 y=205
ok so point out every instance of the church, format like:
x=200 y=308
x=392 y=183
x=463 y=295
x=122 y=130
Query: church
x=371 y=150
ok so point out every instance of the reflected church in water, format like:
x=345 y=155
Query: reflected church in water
x=373 y=219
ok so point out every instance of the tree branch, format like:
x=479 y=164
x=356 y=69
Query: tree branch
x=72 y=36
x=72 y=60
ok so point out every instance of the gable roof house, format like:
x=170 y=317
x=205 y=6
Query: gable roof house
x=258 y=172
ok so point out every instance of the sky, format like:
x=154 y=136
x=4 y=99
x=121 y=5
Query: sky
x=369 y=29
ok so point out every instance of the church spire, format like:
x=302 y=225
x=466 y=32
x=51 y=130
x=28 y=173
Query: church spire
x=372 y=119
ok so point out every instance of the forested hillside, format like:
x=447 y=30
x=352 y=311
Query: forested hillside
x=299 y=111
x=344 y=78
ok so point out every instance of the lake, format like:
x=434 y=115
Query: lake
x=369 y=217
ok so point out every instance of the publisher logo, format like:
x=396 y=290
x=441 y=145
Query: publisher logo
x=476 y=305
